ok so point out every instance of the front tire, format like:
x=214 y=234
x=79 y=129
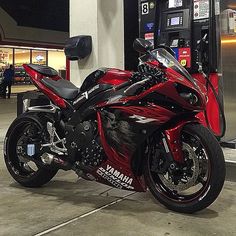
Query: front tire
x=28 y=175
x=211 y=171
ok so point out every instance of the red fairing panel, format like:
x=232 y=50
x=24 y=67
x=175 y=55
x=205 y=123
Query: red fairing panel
x=157 y=113
x=119 y=164
x=173 y=136
x=168 y=89
x=212 y=107
x=116 y=171
x=115 y=77
x=37 y=77
x=213 y=112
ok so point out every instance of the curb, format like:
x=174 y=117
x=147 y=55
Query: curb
x=231 y=171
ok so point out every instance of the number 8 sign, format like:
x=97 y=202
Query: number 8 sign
x=145 y=8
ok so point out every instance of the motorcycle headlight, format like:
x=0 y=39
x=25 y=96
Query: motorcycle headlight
x=188 y=94
x=191 y=98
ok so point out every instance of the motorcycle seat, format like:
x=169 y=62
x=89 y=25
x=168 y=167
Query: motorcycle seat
x=44 y=70
x=63 y=88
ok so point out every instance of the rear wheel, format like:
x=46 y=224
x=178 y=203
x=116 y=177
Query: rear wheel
x=193 y=185
x=23 y=131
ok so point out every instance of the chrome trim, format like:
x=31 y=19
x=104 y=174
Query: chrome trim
x=26 y=104
x=166 y=145
x=45 y=109
x=53 y=145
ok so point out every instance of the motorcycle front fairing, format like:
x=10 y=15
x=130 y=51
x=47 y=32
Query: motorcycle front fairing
x=127 y=122
x=123 y=131
x=123 y=134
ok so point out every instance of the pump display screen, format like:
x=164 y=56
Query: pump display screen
x=175 y=21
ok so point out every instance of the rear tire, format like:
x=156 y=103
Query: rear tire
x=25 y=177
x=215 y=177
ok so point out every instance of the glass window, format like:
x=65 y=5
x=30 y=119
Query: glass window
x=22 y=56
x=6 y=58
x=39 y=57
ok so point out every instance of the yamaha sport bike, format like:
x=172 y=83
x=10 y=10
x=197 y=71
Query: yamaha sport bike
x=130 y=130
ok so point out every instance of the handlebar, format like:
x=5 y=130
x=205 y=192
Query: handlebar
x=135 y=87
x=140 y=80
x=121 y=86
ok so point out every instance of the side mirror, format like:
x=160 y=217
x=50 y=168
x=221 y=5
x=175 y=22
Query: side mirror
x=78 y=47
x=142 y=46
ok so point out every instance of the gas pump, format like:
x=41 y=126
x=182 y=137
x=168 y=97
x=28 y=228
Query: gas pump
x=190 y=28
x=174 y=28
x=147 y=16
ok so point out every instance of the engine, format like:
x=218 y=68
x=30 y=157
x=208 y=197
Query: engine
x=83 y=144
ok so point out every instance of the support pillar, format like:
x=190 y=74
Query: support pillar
x=104 y=21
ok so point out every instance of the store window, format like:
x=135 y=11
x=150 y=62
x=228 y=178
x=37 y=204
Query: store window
x=22 y=56
x=39 y=57
x=19 y=56
x=6 y=59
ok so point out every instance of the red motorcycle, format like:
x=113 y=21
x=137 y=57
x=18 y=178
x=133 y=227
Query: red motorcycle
x=130 y=130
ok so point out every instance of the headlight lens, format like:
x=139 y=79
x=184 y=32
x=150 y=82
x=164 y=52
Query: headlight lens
x=191 y=98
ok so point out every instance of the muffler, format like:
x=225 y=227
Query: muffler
x=51 y=160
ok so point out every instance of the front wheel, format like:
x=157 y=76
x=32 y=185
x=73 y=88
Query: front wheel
x=194 y=184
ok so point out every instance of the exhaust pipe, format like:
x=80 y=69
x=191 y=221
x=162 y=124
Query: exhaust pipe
x=51 y=160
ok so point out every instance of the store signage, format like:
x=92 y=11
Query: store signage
x=39 y=58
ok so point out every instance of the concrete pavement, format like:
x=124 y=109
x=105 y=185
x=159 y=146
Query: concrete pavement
x=72 y=206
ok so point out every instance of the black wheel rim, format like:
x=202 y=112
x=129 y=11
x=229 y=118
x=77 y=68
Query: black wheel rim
x=203 y=181
x=22 y=167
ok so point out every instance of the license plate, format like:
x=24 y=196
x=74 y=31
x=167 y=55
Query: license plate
x=31 y=150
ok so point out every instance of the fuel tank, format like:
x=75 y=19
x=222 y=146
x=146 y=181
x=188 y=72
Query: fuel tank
x=105 y=76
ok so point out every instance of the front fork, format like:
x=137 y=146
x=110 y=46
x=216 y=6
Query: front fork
x=172 y=141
